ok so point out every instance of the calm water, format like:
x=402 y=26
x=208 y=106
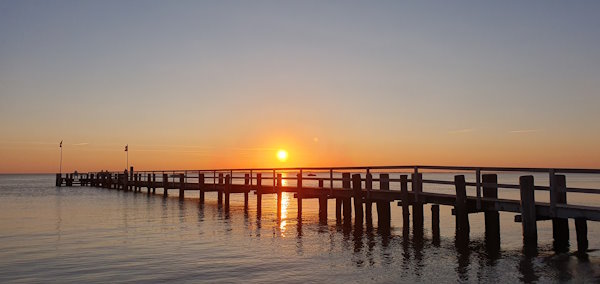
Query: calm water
x=50 y=234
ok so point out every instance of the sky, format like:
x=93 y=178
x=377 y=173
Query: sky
x=218 y=84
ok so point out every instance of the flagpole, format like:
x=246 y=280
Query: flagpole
x=60 y=167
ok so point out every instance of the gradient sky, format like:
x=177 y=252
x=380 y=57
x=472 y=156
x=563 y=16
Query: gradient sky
x=205 y=84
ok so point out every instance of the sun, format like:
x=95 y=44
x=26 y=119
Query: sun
x=282 y=155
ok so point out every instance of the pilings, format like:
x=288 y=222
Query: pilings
x=528 y=213
x=346 y=201
x=560 y=226
x=358 y=199
x=460 y=207
x=383 y=207
x=491 y=215
x=201 y=187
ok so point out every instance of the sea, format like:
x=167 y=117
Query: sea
x=79 y=234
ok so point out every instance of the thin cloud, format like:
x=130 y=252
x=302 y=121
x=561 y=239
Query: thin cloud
x=524 y=131
x=81 y=144
x=461 y=131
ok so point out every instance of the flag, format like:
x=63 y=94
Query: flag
x=126 y=147
x=60 y=145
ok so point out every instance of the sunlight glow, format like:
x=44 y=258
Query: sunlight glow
x=282 y=155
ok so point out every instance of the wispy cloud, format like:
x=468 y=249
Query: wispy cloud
x=81 y=144
x=460 y=131
x=524 y=131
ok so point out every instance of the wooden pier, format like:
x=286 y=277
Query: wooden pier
x=353 y=191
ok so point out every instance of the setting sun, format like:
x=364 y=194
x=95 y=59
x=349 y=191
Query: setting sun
x=282 y=155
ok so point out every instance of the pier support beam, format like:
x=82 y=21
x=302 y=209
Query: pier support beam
x=279 y=195
x=220 y=190
x=417 y=187
x=153 y=183
x=130 y=183
x=435 y=223
x=492 y=217
x=528 y=213
x=560 y=226
x=258 y=194
x=299 y=193
x=165 y=181
x=149 y=183
x=368 y=203
x=201 y=187
x=181 y=186
x=405 y=201
x=322 y=204
x=227 y=190
x=460 y=207
x=582 y=240
x=59 y=180
x=246 y=190
x=346 y=201
x=357 y=194
x=383 y=207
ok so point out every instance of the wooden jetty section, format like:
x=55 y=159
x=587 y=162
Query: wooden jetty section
x=354 y=193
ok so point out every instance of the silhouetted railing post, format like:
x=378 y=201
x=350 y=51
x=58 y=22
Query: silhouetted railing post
x=322 y=204
x=491 y=215
x=357 y=195
x=383 y=207
x=560 y=226
x=246 y=189
x=460 y=209
x=165 y=181
x=368 y=202
x=181 y=186
x=346 y=201
x=220 y=190
x=130 y=183
x=528 y=213
x=153 y=183
x=201 y=187
x=258 y=193
x=405 y=200
x=227 y=190
x=417 y=188
x=299 y=193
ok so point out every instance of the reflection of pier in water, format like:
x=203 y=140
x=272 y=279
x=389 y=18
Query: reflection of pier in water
x=355 y=189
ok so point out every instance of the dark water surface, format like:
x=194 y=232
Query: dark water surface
x=82 y=234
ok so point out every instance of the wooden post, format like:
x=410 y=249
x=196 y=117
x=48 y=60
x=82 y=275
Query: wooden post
x=227 y=190
x=405 y=200
x=357 y=194
x=153 y=183
x=130 y=178
x=417 y=187
x=528 y=213
x=258 y=193
x=58 y=180
x=368 y=203
x=201 y=186
x=149 y=182
x=460 y=207
x=220 y=190
x=246 y=189
x=181 y=186
x=582 y=240
x=299 y=193
x=383 y=207
x=279 y=195
x=560 y=226
x=435 y=222
x=322 y=204
x=491 y=215
x=346 y=201
x=165 y=181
